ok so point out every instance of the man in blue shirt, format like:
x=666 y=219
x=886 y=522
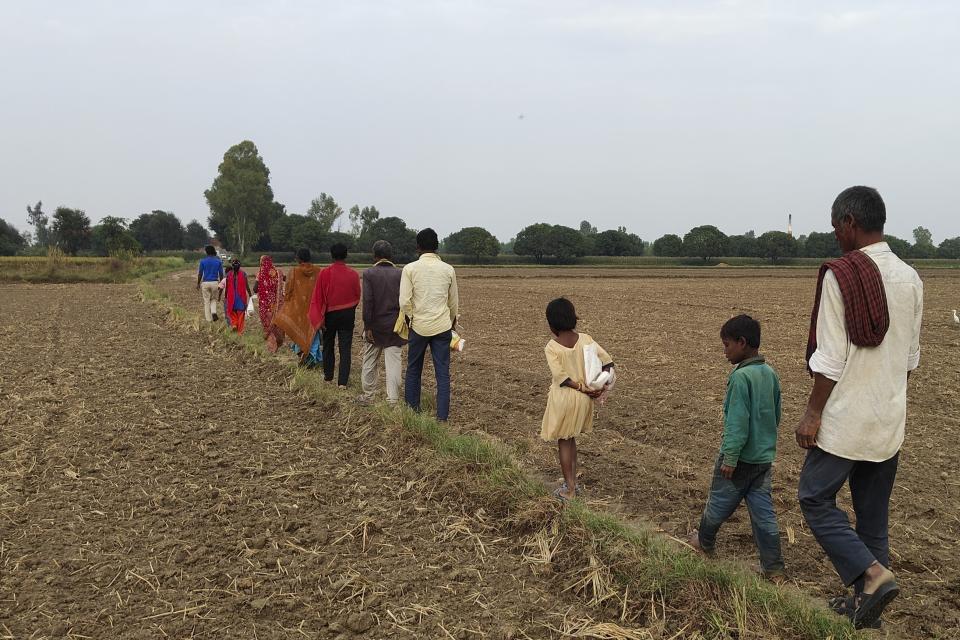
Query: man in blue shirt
x=209 y=275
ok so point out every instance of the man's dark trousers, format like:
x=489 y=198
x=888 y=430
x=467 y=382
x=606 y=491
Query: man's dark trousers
x=850 y=550
x=440 y=352
x=338 y=325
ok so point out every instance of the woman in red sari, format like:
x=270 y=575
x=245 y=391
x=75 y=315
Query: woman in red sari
x=268 y=288
x=237 y=294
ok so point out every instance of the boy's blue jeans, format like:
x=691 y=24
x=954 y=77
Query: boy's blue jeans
x=440 y=352
x=750 y=482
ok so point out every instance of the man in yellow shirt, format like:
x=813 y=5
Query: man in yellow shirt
x=430 y=302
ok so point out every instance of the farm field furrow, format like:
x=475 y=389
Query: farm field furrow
x=651 y=455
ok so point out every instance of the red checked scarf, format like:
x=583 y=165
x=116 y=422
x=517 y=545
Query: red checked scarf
x=864 y=301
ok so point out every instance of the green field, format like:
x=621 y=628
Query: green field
x=59 y=268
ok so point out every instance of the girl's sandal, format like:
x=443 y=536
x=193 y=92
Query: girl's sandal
x=558 y=494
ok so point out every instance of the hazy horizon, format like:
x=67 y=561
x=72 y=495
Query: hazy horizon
x=658 y=117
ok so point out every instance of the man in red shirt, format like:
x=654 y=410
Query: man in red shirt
x=333 y=309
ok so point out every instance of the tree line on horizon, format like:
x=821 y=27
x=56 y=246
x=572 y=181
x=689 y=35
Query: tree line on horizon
x=245 y=217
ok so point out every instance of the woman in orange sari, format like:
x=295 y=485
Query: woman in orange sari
x=268 y=288
x=293 y=317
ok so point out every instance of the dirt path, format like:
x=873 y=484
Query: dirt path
x=156 y=484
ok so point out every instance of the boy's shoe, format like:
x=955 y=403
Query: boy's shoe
x=776 y=578
x=215 y=318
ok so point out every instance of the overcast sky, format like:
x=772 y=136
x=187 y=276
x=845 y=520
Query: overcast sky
x=658 y=116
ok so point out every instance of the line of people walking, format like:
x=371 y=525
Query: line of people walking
x=864 y=342
x=315 y=310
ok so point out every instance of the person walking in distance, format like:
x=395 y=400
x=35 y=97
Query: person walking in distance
x=381 y=306
x=429 y=300
x=333 y=309
x=864 y=341
x=209 y=275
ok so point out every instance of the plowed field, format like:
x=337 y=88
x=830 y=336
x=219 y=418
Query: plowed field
x=652 y=453
x=155 y=483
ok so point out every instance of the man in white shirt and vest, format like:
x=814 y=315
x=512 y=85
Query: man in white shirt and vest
x=864 y=342
x=430 y=302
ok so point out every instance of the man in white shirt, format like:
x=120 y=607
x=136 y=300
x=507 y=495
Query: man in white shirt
x=430 y=301
x=854 y=422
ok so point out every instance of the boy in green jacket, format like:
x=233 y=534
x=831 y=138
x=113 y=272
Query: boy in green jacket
x=751 y=415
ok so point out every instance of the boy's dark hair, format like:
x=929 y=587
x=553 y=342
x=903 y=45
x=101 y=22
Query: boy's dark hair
x=210 y=250
x=338 y=251
x=864 y=205
x=427 y=240
x=742 y=326
x=303 y=255
x=561 y=316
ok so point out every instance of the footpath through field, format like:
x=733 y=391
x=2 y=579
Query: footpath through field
x=154 y=483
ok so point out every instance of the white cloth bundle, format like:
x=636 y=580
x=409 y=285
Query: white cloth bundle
x=250 y=307
x=596 y=377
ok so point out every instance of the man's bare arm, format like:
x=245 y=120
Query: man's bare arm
x=809 y=425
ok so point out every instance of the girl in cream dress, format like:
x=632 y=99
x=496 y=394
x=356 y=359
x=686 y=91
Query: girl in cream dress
x=569 y=409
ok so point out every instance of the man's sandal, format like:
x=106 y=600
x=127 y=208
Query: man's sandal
x=870 y=606
x=846 y=606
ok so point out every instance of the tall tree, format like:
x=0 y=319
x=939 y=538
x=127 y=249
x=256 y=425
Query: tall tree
x=240 y=199
x=475 y=242
x=158 y=230
x=922 y=236
x=360 y=219
x=71 y=229
x=195 y=236
x=668 y=246
x=533 y=241
x=38 y=220
x=587 y=229
x=11 y=242
x=325 y=210
x=705 y=242
x=111 y=236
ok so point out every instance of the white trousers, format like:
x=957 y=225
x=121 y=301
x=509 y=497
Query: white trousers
x=369 y=376
x=209 y=292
